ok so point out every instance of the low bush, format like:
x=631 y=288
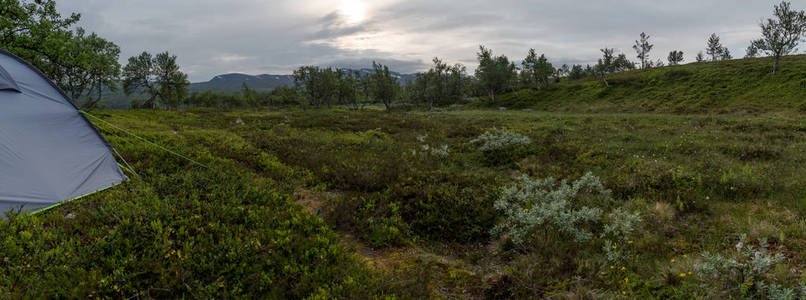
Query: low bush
x=502 y=147
x=746 y=272
x=581 y=212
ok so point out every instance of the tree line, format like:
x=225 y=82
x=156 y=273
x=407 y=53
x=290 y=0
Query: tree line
x=85 y=65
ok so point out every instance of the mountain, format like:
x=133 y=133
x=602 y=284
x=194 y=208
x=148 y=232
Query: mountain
x=232 y=82
x=228 y=83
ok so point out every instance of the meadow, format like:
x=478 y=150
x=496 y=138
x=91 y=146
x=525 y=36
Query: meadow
x=338 y=203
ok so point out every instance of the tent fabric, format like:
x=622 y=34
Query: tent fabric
x=49 y=152
x=6 y=83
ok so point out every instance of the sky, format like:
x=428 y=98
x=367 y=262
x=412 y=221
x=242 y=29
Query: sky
x=212 y=37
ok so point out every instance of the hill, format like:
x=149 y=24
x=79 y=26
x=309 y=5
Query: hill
x=741 y=85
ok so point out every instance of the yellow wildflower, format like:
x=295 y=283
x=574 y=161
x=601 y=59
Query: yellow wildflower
x=626 y=280
x=623 y=268
x=629 y=242
x=682 y=274
x=689 y=273
x=623 y=292
x=672 y=260
x=612 y=267
x=685 y=256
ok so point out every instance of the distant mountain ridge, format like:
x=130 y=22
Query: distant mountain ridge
x=228 y=83
x=232 y=82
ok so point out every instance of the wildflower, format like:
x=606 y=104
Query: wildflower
x=626 y=280
x=629 y=242
x=612 y=267
x=683 y=275
x=685 y=256
x=526 y=209
x=623 y=292
x=672 y=260
x=116 y=287
x=614 y=246
x=689 y=273
x=604 y=273
x=623 y=268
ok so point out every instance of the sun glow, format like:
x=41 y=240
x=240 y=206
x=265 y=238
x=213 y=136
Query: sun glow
x=353 y=11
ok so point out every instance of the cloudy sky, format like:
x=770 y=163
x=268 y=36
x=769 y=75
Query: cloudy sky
x=275 y=36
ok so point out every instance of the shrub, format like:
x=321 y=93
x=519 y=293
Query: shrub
x=567 y=209
x=499 y=139
x=747 y=272
x=447 y=206
x=619 y=226
x=501 y=146
x=581 y=212
x=443 y=151
x=372 y=217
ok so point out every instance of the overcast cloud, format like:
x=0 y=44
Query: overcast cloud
x=213 y=37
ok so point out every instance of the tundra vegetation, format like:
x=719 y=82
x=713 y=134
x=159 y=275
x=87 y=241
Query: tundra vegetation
x=600 y=181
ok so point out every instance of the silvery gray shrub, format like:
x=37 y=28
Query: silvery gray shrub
x=497 y=139
x=749 y=267
x=442 y=151
x=575 y=210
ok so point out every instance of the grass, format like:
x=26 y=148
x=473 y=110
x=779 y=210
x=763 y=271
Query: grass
x=734 y=86
x=236 y=230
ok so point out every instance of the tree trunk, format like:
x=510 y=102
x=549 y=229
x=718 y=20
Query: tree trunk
x=604 y=80
x=492 y=96
x=775 y=65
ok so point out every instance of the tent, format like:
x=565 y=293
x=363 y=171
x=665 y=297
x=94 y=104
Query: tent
x=49 y=151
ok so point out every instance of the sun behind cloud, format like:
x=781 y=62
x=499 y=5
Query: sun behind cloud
x=354 y=11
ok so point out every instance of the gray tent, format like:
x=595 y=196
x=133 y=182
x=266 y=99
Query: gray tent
x=49 y=151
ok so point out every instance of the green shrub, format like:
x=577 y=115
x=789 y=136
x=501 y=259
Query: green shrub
x=661 y=180
x=372 y=217
x=447 y=206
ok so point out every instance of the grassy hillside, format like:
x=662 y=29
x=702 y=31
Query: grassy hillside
x=741 y=85
x=348 y=204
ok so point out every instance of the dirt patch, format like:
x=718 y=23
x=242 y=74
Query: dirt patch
x=311 y=201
